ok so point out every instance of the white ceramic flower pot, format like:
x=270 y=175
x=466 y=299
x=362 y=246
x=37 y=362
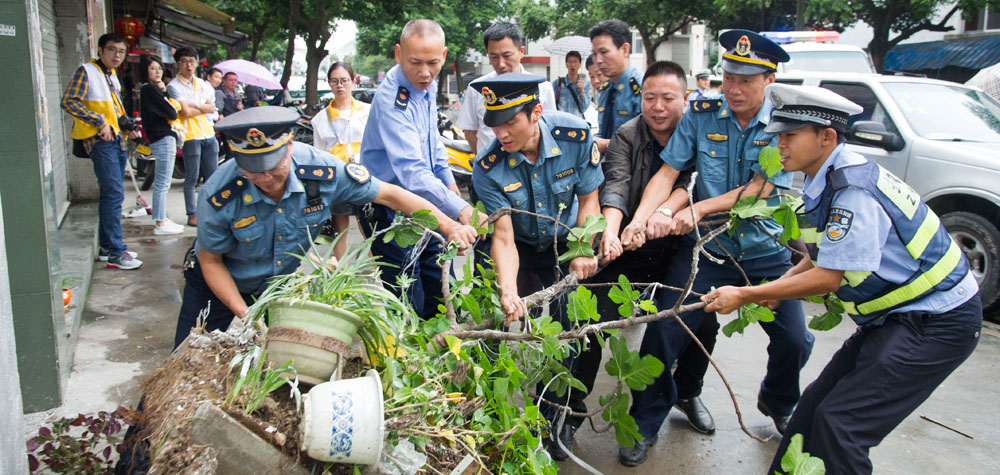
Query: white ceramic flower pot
x=342 y=421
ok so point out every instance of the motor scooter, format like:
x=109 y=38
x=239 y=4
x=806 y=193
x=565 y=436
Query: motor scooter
x=460 y=154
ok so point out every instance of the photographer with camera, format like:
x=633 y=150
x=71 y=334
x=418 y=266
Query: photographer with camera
x=93 y=98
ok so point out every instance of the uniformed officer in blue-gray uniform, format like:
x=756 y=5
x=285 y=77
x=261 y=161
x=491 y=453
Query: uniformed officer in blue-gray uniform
x=721 y=139
x=268 y=203
x=401 y=146
x=536 y=163
x=702 y=90
x=902 y=278
x=621 y=95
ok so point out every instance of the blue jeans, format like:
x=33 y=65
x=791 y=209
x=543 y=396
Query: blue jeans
x=201 y=157
x=165 y=151
x=109 y=166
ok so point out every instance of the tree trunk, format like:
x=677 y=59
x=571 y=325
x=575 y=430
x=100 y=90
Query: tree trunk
x=800 y=15
x=877 y=48
x=293 y=20
x=314 y=56
x=647 y=44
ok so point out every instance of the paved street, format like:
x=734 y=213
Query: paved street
x=130 y=316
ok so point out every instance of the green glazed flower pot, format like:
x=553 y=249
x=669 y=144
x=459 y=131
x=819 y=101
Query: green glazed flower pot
x=311 y=334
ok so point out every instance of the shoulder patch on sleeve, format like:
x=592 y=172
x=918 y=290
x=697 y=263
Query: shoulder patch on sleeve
x=838 y=223
x=402 y=98
x=315 y=172
x=495 y=156
x=595 y=155
x=358 y=172
x=571 y=134
x=707 y=105
x=636 y=90
x=227 y=193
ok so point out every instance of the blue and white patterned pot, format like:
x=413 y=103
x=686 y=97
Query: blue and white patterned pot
x=342 y=421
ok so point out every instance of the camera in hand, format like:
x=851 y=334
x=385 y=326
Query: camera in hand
x=128 y=124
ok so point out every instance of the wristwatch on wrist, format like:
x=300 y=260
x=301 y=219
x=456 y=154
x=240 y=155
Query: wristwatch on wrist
x=666 y=212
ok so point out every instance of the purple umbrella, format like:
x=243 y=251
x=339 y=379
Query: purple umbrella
x=250 y=73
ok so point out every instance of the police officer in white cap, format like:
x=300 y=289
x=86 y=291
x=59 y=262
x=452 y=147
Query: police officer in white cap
x=885 y=254
x=267 y=204
x=702 y=90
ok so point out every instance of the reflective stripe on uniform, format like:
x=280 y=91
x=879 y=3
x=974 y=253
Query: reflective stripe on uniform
x=924 y=234
x=917 y=287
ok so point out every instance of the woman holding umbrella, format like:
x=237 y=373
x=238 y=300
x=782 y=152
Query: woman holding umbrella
x=338 y=130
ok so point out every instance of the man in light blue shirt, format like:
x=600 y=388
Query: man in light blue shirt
x=401 y=146
x=901 y=277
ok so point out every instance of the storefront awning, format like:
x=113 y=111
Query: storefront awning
x=971 y=53
x=192 y=23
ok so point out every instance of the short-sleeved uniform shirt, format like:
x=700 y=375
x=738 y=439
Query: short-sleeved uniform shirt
x=868 y=245
x=254 y=234
x=470 y=115
x=568 y=165
x=621 y=99
x=709 y=139
x=401 y=144
x=195 y=92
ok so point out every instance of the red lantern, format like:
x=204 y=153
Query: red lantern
x=130 y=28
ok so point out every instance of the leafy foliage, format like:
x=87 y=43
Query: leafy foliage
x=797 y=462
x=833 y=315
x=64 y=449
x=578 y=241
x=408 y=232
x=747 y=315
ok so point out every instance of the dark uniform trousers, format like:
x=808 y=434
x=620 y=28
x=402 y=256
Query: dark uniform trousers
x=425 y=293
x=645 y=264
x=198 y=296
x=788 y=350
x=877 y=378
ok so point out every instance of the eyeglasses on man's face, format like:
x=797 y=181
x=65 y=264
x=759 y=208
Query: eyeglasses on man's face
x=115 y=51
x=188 y=61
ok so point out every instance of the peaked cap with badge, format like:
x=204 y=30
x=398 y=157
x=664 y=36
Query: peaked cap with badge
x=505 y=95
x=257 y=136
x=798 y=106
x=748 y=53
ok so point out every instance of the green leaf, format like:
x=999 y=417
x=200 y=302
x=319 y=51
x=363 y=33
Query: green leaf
x=425 y=219
x=577 y=249
x=789 y=224
x=546 y=326
x=813 y=299
x=752 y=207
x=797 y=462
x=449 y=253
x=648 y=306
x=627 y=366
x=623 y=295
x=582 y=306
x=770 y=160
x=454 y=344
x=578 y=242
x=747 y=315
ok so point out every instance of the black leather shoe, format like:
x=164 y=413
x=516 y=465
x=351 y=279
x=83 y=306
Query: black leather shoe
x=697 y=414
x=780 y=422
x=566 y=435
x=636 y=455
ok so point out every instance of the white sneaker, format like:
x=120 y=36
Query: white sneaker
x=168 y=227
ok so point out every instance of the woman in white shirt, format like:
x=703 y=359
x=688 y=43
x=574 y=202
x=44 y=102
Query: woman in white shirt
x=338 y=130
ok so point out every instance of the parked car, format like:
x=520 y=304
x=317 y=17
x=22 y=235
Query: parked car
x=829 y=57
x=941 y=138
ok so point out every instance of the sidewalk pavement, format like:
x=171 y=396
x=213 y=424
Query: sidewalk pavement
x=128 y=326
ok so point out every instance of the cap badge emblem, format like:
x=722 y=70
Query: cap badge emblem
x=489 y=95
x=743 y=46
x=255 y=137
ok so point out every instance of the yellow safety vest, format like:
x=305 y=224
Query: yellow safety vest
x=99 y=99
